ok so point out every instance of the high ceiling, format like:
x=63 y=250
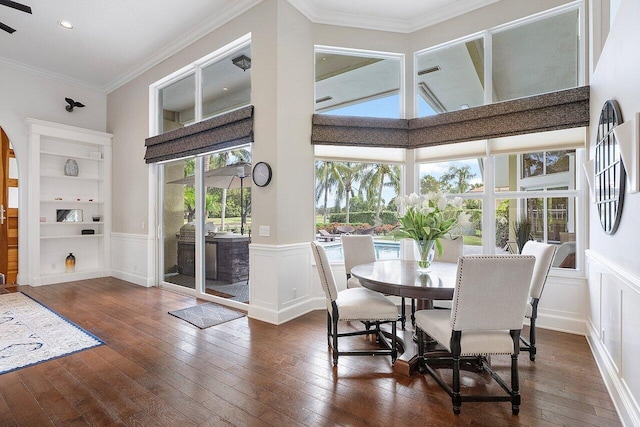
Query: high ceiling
x=112 y=42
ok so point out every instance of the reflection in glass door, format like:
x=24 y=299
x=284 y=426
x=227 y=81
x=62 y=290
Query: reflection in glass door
x=178 y=225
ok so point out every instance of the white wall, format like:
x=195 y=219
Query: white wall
x=614 y=271
x=25 y=93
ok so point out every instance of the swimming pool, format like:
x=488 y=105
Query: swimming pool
x=384 y=250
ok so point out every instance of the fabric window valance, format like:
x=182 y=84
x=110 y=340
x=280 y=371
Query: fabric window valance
x=220 y=132
x=563 y=109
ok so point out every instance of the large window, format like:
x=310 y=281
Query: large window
x=216 y=84
x=205 y=215
x=533 y=193
x=357 y=84
x=536 y=55
x=358 y=198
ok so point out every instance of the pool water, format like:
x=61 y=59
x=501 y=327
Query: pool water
x=384 y=250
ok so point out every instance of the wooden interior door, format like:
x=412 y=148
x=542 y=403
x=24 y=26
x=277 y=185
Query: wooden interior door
x=8 y=216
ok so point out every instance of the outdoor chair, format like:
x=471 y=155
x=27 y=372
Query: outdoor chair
x=356 y=304
x=325 y=236
x=544 y=254
x=345 y=229
x=360 y=250
x=489 y=303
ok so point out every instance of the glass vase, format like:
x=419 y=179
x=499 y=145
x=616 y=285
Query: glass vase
x=70 y=263
x=426 y=252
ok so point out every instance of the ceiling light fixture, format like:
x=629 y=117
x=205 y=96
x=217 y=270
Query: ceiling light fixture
x=66 y=24
x=429 y=70
x=242 y=61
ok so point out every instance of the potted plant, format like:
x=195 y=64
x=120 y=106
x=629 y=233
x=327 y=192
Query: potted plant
x=427 y=218
x=522 y=232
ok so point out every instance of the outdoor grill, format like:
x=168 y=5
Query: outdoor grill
x=187 y=251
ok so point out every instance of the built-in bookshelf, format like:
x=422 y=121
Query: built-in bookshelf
x=63 y=208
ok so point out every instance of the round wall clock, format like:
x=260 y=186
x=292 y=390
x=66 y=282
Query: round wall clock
x=610 y=175
x=261 y=174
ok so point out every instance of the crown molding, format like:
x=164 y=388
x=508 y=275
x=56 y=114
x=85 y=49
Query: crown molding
x=236 y=9
x=41 y=72
x=315 y=15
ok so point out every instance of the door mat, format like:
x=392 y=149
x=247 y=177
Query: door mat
x=207 y=314
x=31 y=333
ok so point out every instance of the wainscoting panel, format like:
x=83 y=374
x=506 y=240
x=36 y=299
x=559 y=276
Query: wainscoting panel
x=614 y=322
x=562 y=306
x=281 y=285
x=129 y=258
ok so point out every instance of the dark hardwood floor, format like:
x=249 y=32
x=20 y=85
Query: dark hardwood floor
x=157 y=370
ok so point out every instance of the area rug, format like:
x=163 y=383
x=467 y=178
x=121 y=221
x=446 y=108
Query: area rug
x=207 y=314
x=31 y=333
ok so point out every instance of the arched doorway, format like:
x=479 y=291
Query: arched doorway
x=8 y=210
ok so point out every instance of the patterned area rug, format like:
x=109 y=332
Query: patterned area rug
x=206 y=315
x=31 y=333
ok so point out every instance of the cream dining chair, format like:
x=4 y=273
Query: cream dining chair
x=355 y=304
x=545 y=254
x=359 y=249
x=486 y=318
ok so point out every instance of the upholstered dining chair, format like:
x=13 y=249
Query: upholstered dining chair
x=486 y=318
x=451 y=250
x=359 y=249
x=545 y=254
x=355 y=304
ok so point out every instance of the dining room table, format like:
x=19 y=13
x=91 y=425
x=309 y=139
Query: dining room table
x=402 y=278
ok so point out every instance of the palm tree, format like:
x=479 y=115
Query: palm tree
x=349 y=173
x=326 y=180
x=376 y=177
x=220 y=160
x=456 y=179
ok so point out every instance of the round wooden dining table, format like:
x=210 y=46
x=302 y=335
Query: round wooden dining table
x=402 y=278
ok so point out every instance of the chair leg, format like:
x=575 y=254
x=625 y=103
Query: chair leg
x=413 y=312
x=403 y=318
x=335 y=340
x=394 y=344
x=328 y=329
x=532 y=339
x=515 y=385
x=456 y=399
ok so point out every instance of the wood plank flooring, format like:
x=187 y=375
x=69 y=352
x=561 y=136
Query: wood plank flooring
x=157 y=370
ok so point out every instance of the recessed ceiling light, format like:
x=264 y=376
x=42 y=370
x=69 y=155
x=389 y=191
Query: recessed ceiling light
x=66 y=24
x=225 y=89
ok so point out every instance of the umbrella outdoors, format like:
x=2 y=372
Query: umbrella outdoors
x=232 y=176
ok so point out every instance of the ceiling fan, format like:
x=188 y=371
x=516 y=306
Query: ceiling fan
x=18 y=6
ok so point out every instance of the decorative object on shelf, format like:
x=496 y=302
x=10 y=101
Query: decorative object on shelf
x=95 y=218
x=87 y=231
x=71 y=168
x=69 y=215
x=72 y=104
x=70 y=263
x=43 y=219
x=261 y=174
x=610 y=174
x=428 y=218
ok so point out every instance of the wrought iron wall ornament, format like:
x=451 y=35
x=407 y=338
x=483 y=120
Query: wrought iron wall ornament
x=610 y=175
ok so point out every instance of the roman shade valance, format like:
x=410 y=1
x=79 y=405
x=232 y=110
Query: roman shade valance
x=220 y=132
x=563 y=109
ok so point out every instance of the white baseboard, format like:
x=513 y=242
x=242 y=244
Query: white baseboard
x=293 y=311
x=625 y=404
x=133 y=278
